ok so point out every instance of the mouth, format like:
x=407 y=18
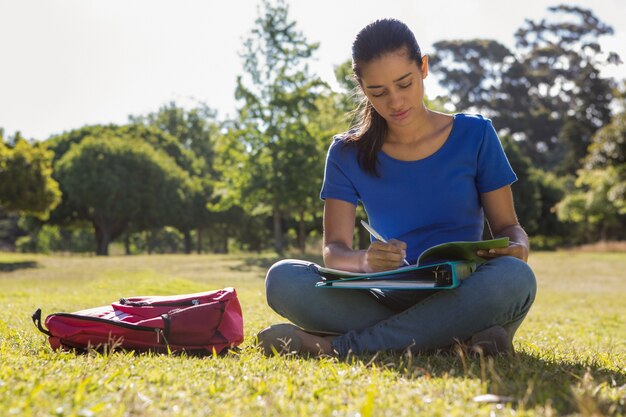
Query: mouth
x=399 y=115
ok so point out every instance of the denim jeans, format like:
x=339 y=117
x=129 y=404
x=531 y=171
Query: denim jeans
x=499 y=292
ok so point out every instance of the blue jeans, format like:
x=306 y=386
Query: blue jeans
x=500 y=292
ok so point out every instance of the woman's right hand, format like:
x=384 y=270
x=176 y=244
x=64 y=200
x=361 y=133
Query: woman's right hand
x=384 y=256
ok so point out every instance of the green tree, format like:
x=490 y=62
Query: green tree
x=330 y=119
x=152 y=135
x=608 y=146
x=526 y=193
x=598 y=203
x=550 y=232
x=116 y=181
x=468 y=69
x=565 y=60
x=278 y=95
x=26 y=183
x=67 y=214
x=349 y=94
x=548 y=93
x=196 y=130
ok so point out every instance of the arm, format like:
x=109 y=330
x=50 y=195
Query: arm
x=339 y=217
x=500 y=213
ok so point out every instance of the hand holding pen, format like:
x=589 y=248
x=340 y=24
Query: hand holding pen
x=384 y=255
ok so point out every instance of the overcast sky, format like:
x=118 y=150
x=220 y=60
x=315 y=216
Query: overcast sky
x=67 y=63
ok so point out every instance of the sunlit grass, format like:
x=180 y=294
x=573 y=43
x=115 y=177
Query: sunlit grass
x=571 y=349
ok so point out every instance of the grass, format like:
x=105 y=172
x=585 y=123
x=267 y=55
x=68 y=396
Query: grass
x=571 y=350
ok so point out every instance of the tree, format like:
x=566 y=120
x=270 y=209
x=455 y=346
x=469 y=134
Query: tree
x=550 y=232
x=68 y=213
x=26 y=183
x=608 y=146
x=563 y=60
x=548 y=93
x=154 y=136
x=115 y=182
x=196 y=130
x=598 y=203
x=527 y=194
x=330 y=119
x=469 y=70
x=270 y=134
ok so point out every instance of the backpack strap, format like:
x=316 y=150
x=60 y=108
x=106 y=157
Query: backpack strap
x=37 y=320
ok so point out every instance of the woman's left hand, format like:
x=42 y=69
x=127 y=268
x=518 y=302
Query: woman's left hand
x=515 y=249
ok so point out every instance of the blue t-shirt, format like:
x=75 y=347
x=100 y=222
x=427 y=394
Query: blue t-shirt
x=428 y=201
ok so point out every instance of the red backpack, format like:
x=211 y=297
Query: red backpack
x=196 y=323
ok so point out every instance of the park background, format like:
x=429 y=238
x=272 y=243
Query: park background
x=204 y=128
x=159 y=128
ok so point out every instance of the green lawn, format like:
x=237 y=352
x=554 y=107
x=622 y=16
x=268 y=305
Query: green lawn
x=571 y=349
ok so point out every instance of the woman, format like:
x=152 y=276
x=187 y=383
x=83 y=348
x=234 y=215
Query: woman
x=424 y=178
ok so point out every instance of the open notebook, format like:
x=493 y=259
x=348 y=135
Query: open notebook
x=439 y=267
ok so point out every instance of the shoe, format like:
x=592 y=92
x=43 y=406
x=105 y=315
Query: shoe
x=280 y=339
x=492 y=341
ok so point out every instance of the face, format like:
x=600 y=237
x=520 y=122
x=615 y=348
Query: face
x=394 y=85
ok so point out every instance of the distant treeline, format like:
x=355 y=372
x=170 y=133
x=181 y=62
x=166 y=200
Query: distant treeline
x=184 y=180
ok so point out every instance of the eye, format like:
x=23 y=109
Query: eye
x=407 y=85
x=379 y=94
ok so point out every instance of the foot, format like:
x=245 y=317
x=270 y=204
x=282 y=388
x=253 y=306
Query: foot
x=492 y=341
x=286 y=338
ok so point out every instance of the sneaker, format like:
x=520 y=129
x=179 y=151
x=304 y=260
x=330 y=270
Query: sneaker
x=492 y=341
x=280 y=339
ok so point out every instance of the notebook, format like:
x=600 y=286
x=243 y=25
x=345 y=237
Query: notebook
x=441 y=266
x=445 y=275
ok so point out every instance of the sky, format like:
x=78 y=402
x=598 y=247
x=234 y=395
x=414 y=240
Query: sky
x=68 y=63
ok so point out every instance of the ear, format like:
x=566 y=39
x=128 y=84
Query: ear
x=424 y=66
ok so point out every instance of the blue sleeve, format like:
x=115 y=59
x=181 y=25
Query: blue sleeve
x=494 y=170
x=337 y=183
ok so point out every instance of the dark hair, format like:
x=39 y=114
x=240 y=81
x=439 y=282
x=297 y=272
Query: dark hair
x=373 y=41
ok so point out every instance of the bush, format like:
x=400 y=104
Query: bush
x=51 y=238
x=165 y=240
x=543 y=242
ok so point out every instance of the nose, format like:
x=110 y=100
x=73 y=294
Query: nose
x=395 y=100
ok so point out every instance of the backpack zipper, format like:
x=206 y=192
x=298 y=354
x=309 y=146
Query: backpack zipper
x=107 y=321
x=126 y=302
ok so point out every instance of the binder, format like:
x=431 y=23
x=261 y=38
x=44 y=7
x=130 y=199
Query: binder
x=440 y=267
x=440 y=276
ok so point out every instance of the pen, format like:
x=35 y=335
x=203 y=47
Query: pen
x=378 y=236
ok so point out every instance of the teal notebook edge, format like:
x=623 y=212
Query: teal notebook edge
x=413 y=277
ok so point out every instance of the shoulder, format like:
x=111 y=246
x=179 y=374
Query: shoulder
x=472 y=120
x=474 y=128
x=342 y=143
x=347 y=137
